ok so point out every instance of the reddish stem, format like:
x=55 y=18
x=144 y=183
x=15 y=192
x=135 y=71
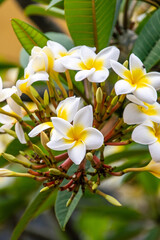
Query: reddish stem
x=117 y=143
x=61 y=157
x=66 y=165
x=66 y=186
x=39 y=166
x=34 y=173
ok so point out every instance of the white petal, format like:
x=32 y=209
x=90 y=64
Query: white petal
x=61 y=126
x=133 y=115
x=155 y=151
x=56 y=48
x=15 y=107
x=58 y=66
x=81 y=75
x=54 y=135
x=99 y=76
x=135 y=100
x=39 y=128
x=146 y=94
x=86 y=54
x=68 y=108
x=71 y=63
x=119 y=68
x=6 y=126
x=60 y=144
x=39 y=76
x=135 y=63
x=154 y=78
x=123 y=87
x=94 y=138
x=77 y=152
x=6 y=93
x=84 y=117
x=20 y=133
x=143 y=135
x=107 y=54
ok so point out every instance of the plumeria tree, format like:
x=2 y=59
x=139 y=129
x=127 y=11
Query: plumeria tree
x=90 y=101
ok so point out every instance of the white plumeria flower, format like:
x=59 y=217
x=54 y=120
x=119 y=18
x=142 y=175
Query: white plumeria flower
x=91 y=66
x=6 y=92
x=8 y=122
x=41 y=60
x=66 y=109
x=136 y=80
x=138 y=112
x=148 y=133
x=60 y=52
x=23 y=86
x=77 y=138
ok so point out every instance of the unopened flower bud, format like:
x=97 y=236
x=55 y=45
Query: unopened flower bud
x=89 y=156
x=114 y=101
x=13 y=159
x=46 y=98
x=44 y=189
x=44 y=139
x=112 y=200
x=94 y=187
x=99 y=95
x=38 y=150
x=5 y=173
x=55 y=171
x=17 y=99
x=68 y=202
x=125 y=64
x=10 y=132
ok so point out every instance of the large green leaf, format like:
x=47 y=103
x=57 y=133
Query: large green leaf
x=90 y=22
x=31 y=212
x=53 y=2
x=39 y=10
x=28 y=35
x=147 y=45
x=63 y=213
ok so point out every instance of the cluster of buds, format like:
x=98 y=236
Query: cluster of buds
x=80 y=124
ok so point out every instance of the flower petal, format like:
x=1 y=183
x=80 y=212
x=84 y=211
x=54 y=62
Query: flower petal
x=135 y=63
x=99 y=76
x=68 y=108
x=58 y=66
x=154 y=78
x=146 y=94
x=61 y=126
x=77 y=152
x=81 y=75
x=1 y=84
x=6 y=93
x=123 y=87
x=56 y=48
x=119 y=69
x=84 y=117
x=60 y=144
x=93 y=138
x=39 y=76
x=20 y=133
x=143 y=135
x=71 y=63
x=107 y=54
x=39 y=128
x=135 y=100
x=154 y=150
x=133 y=115
x=86 y=54
x=14 y=107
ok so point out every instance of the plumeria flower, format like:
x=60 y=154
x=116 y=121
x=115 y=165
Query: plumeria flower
x=148 y=133
x=66 y=109
x=23 y=86
x=77 y=138
x=8 y=122
x=60 y=52
x=41 y=60
x=138 y=112
x=154 y=168
x=91 y=66
x=143 y=85
x=6 y=92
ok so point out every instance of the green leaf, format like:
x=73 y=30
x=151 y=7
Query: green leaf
x=7 y=65
x=28 y=35
x=63 y=213
x=31 y=212
x=53 y=2
x=90 y=22
x=61 y=38
x=38 y=10
x=147 y=45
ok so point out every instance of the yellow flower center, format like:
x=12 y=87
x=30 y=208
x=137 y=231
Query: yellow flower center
x=24 y=88
x=91 y=63
x=136 y=77
x=150 y=110
x=62 y=113
x=76 y=133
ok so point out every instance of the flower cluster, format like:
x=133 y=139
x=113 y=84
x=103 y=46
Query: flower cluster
x=74 y=126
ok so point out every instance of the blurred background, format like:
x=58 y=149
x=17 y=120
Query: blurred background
x=94 y=218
